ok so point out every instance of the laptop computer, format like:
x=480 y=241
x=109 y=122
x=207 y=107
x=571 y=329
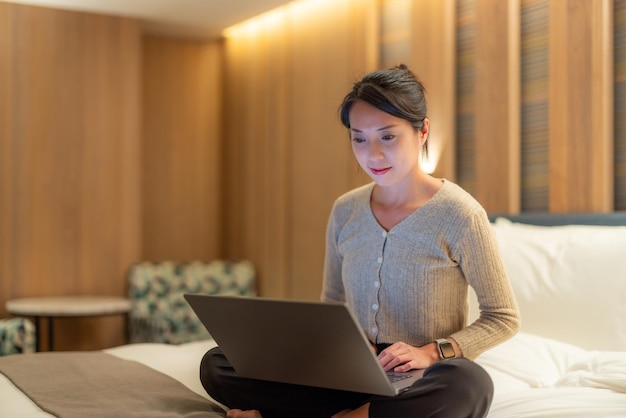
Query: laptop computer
x=306 y=343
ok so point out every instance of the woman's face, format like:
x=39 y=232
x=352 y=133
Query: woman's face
x=386 y=147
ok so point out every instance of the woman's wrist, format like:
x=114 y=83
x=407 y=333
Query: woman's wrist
x=434 y=352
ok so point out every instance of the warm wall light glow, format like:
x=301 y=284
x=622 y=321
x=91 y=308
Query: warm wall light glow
x=429 y=163
x=268 y=19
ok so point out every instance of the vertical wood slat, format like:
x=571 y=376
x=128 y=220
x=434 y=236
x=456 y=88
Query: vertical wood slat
x=7 y=214
x=581 y=106
x=534 y=105
x=69 y=215
x=465 y=94
x=497 y=105
x=182 y=142
x=432 y=58
x=619 y=49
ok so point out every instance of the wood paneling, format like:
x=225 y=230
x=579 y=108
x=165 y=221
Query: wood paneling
x=497 y=105
x=465 y=92
x=434 y=62
x=535 y=116
x=182 y=146
x=619 y=48
x=406 y=25
x=581 y=106
x=322 y=158
x=256 y=159
x=6 y=152
x=288 y=157
x=567 y=138
x=70 y=159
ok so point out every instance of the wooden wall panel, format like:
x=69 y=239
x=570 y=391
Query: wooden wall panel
x=619 y=47
x=465 y=94
x=320 y=158
x=256 y=131
x=70 y=160
x=434 y=63
x=535 y=124
x=405 y=26
x=6 y=152
x=285 y=79
x=567 y=107
x=182 y=145
x=255 y=178
x=497 y=105
x=581 y=106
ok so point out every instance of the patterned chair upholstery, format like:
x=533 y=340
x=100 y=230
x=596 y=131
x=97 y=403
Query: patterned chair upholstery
x=17 y=335
x=159 y=313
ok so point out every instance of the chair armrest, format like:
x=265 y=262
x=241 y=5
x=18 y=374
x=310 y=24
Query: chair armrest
x=17 y=335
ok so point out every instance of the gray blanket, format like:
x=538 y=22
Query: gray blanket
x=96 y=384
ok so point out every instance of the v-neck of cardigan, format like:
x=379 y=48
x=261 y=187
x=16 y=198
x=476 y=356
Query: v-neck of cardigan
x=407 y=218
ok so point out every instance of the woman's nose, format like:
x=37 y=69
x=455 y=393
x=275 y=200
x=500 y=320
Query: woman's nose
x=375 y=150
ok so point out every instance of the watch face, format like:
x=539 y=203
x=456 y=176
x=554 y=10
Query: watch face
x=447 y=350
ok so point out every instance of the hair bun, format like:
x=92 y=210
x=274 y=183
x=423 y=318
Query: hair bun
x=404 y=68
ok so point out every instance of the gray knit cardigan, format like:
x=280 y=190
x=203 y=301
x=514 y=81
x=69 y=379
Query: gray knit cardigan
x=411 y=283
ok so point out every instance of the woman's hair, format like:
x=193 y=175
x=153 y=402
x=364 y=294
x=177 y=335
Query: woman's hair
x=396 y=91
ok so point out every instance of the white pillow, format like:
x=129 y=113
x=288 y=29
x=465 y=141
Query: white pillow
x=570 y=281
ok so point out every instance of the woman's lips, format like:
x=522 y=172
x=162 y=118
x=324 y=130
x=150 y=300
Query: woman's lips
x=380 y=171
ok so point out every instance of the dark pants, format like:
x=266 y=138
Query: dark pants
x=456 y=388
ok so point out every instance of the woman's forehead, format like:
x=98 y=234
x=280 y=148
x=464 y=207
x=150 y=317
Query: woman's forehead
x=364 y=116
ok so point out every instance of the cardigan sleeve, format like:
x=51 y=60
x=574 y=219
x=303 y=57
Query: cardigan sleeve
x=332 y=289
x=479 y=258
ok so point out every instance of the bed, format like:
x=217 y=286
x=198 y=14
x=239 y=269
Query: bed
x=569 y=360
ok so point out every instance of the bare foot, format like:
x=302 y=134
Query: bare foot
x=360 y=412
x=238 y=413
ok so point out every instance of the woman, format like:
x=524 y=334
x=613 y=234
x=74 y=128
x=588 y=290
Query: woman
x=401 y=252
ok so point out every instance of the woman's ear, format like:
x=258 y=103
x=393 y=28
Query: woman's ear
x=425 y=131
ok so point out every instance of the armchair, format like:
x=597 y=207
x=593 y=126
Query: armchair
x=159 y=313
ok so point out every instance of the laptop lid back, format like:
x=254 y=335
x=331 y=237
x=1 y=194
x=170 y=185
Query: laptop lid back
x=306 y=343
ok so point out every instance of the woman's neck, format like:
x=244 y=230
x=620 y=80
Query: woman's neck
x=413 y=192
x=392 y=204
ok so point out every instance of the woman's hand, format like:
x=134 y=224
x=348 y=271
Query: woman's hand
x=401 y=357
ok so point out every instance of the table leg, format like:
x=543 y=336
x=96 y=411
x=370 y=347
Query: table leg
x=50 y=334
x=38 y=332
x=126 y=328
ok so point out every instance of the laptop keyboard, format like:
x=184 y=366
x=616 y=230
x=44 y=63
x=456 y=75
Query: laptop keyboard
x=396 y=377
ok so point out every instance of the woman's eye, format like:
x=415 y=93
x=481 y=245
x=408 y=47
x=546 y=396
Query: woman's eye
x=358 y=140
x=388 y=137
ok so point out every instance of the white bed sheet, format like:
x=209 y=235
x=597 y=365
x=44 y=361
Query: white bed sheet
x=533 y=377
x=538 y=377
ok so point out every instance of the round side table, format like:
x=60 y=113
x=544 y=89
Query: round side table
x=66 y=306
